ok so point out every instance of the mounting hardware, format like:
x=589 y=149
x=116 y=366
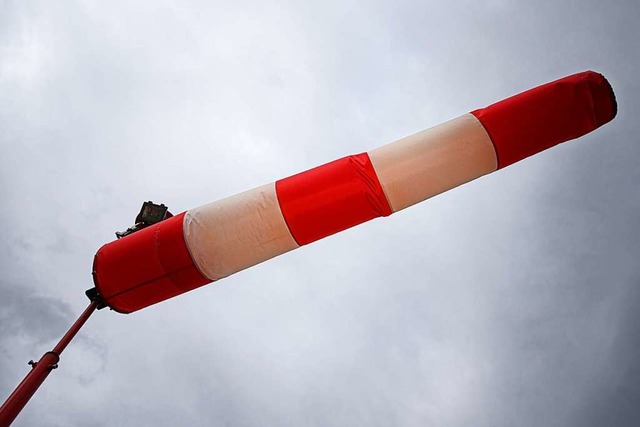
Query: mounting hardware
x=94 y=295
x=150 y=214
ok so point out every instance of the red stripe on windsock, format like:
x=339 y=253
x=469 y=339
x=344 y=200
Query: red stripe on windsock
x=330 y=198
x=146 y=267
x=547 y=115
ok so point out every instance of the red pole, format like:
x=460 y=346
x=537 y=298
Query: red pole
x=39 y=371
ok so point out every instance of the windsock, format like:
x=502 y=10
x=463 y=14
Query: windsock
x=210 y=242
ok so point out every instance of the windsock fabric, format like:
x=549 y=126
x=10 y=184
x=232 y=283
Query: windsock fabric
x=213 y=241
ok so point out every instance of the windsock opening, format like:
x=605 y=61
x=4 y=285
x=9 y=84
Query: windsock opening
x=146 y=267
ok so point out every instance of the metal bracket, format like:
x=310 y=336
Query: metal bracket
x=150 y=213
x=94 y=295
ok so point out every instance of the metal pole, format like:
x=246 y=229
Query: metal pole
x=40 y=370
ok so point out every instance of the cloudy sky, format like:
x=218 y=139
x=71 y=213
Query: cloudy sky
x=513 y=300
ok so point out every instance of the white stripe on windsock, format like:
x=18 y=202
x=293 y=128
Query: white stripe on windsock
x=234 y=233
x=433 y=161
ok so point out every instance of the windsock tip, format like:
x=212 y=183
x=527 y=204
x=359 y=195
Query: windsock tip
x=605 y=106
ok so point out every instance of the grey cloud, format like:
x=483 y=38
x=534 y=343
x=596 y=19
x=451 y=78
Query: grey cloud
x=510 y=300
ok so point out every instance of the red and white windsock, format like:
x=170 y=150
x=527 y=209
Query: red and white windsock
x=210 y=242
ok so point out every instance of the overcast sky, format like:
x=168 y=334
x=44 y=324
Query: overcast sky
x=513 y=300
